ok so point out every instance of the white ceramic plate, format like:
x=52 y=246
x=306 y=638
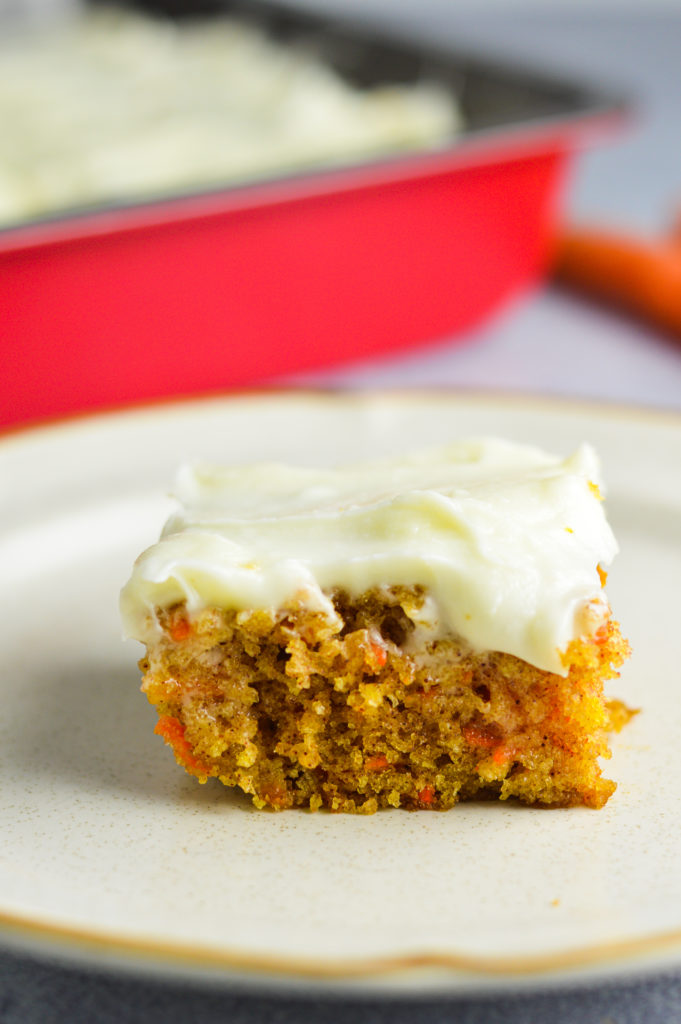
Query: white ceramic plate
x=109 y=853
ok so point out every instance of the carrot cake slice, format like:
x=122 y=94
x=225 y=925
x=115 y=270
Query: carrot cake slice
x=400 y=633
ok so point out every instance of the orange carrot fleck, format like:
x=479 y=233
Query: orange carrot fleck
x=179 y=629
x=380 y=655
x=480 y=736
x=172 y=731
x=376 y=762
x=426 y=795
x=602 y=575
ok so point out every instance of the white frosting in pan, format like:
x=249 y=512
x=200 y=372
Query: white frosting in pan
x=112 y=105
x=506 y=538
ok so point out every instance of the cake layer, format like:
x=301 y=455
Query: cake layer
x=505 y=539
x=357 y=716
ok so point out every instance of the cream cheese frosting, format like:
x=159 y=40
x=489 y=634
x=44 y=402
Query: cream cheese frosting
x=112 y=105
x=506 y=539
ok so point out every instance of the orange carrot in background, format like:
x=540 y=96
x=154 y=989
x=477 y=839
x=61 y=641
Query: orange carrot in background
x=635 y=275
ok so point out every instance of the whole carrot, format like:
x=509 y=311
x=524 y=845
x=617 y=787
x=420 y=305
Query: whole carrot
x=641 y=277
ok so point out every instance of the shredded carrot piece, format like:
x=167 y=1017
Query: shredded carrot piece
x=380 y=655
x=376 y=762
x=179 y=629
x=172 y=731
x=479 y=736
x=501 y=755
x=426 y=795
x=602 y=575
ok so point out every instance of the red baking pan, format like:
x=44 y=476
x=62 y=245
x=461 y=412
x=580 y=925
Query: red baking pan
x=212 y=290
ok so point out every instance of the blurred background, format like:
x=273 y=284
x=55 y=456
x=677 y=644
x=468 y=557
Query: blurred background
x=492 y=201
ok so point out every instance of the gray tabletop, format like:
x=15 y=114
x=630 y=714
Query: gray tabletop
x=548 y=343
x=37 y=992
